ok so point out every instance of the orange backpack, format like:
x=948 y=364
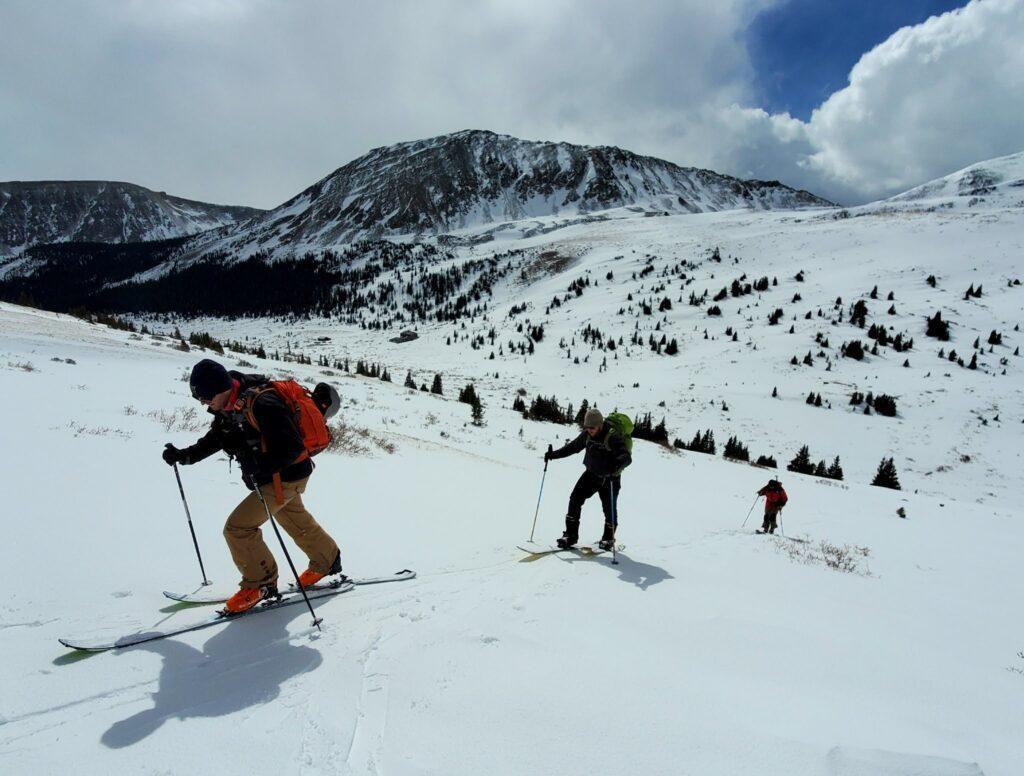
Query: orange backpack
x=316 y=436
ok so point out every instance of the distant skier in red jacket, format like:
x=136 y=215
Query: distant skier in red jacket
x=775 y=499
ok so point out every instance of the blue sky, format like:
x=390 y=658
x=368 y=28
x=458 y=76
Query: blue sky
x=802 y=50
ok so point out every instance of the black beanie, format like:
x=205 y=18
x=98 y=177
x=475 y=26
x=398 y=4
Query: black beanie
x=208 y=379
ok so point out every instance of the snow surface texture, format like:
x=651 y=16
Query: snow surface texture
x=707 y=650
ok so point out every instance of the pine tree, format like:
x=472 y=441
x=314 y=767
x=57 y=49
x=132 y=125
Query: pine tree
x=835 y=471
x=938 y=328
x=801 y=463
x=409 y=382
x=735 y=450
x=886 y=477
x=468 y=395
x=584 y=406
x=436 y=387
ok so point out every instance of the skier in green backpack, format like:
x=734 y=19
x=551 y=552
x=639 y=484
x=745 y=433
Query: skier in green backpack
x=609 y=450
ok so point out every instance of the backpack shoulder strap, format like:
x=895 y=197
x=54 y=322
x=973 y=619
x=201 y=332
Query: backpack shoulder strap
x=249 y=401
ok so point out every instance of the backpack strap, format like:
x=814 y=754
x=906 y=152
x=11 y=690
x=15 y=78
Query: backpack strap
x=250 y=415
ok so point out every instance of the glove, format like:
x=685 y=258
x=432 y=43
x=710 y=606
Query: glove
x=548 y=455
x=172 y=455
x=252 y=474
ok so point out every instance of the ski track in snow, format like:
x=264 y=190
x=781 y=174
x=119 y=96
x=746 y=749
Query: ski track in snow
x=367 y=742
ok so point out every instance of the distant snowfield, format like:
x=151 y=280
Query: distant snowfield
x=708 y=650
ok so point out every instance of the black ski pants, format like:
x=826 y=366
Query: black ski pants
x=607 y=488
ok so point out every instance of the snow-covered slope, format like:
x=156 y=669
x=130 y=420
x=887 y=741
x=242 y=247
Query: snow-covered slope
x=35 y=212
x=706 y=650
x=477 y=178
x=992 y=184
x=952 y=422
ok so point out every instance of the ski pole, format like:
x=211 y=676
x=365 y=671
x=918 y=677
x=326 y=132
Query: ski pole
x=779 y=518
x=273 y=522
x=615 y=521
x=537 y=510
x=188 y=515
x=748 y=513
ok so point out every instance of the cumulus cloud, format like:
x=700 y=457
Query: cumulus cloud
x=931 y=99
x=249 y=101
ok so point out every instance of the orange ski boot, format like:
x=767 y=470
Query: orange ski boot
x=247 y=598
x=308 y=578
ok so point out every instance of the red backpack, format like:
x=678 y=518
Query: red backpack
x=316 y=436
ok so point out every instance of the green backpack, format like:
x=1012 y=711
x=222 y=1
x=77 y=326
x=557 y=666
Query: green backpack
x=623 y=426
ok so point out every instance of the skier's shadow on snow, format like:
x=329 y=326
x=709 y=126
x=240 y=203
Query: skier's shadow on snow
x=243 y=665
x=643 y=575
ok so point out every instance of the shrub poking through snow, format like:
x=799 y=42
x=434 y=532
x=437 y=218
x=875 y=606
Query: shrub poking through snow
x=849 y=558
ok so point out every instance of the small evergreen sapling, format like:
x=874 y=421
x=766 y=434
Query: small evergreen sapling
x=886 y=476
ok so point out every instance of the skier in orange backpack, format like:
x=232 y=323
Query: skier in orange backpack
x=255 y=423
x=775 y=499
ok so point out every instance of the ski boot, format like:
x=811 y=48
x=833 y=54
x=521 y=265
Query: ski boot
x=571 y=534
x=248 y=597
x=308 y=578
x=607 y=538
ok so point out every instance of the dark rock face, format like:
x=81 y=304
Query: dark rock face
x=475 y=178
x=40 y=212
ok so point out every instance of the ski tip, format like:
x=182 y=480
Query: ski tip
x=80 y=648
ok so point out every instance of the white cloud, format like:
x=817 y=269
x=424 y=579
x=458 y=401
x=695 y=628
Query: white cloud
x=931 y=99
x=249 y=102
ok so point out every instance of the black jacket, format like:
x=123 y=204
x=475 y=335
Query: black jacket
x=232 y=432
x=606 y=453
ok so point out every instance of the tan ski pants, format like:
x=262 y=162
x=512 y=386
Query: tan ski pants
x=245 y=539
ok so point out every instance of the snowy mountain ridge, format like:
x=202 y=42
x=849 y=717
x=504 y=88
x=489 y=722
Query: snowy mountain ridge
x=477 y=178
x=39 y=212
x=992 y=184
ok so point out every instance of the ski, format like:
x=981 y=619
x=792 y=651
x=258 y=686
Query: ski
x=286 y=599
x=582 y=549
x=219 y=598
